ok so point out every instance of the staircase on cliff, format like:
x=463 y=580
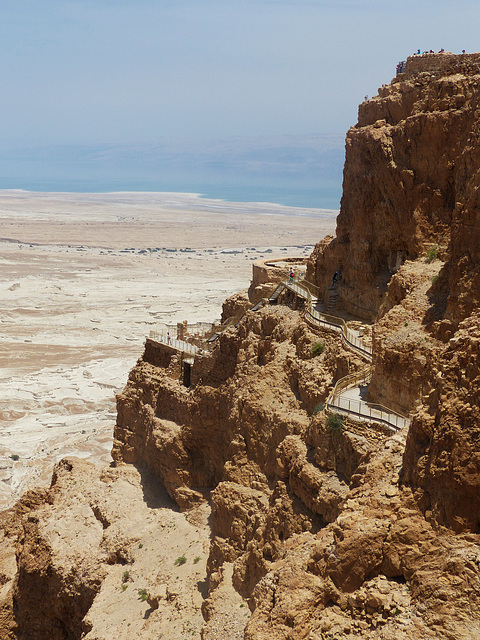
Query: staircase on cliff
x=331 y=304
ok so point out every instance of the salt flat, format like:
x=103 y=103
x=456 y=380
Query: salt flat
x=84 y=278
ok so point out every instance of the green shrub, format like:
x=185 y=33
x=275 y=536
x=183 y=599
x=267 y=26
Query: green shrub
x=143 y=594
x=431 y=254
x=335 y=422
x=320 y=407
x=15 y=456
x=126 y=576
x=179 y=561
x=318 y=348
x=196 y=559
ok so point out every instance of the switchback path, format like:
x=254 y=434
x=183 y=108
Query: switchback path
x=347 y=396
x=348 y=393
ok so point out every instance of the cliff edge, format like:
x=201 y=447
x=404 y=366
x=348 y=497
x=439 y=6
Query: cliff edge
x=410 y=184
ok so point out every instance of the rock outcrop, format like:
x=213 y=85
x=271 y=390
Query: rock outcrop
x=260 y=385
x=410 y=184
x=97 y=557
x=442 y=457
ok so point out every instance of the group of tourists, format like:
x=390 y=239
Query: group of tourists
x=401 y=65
x=421 y=53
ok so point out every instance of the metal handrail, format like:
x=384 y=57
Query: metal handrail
x=359 y=408
x=186 y=347
x=312 y=288
x=302 y=288
x=179 y=345
x=375 y=412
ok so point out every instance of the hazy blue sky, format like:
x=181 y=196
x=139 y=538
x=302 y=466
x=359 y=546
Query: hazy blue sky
x=137 y=70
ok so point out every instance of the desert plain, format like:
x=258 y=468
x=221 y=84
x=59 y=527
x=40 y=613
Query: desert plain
x=85 y=277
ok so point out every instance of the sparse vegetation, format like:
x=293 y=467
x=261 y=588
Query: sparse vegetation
x=431 y=254
x=196 y=559
x=143 y=594
x=179 y=561
x=318 y=348
x=335 y=422
x=320 y=407
x=434 y=279
x=124 y=586
x=15 y=456
x=126 y=576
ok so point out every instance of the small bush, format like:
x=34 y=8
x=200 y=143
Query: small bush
x=142 y=594
x=431 y=254
x=126 y=576
x=15 y=456
x=196 y=559
x=179 y=561
x=318 y=348
x=124 y=586
x=335 y=422
x=434 y=279
x=320 y=407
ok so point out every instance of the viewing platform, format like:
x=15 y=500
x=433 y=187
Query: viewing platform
x=441 y=63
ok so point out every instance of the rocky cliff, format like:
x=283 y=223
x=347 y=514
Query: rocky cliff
x=410 y=184
x=296 y=526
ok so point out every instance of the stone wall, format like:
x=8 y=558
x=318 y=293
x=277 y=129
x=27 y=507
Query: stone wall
x=164 y=356
x=274 y=270
x=443 y=63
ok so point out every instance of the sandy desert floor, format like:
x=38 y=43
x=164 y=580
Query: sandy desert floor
x=84 y=278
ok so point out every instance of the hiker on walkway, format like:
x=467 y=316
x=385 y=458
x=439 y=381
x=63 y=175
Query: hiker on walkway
x=168 y=337
x=335 y=278
x=291 y=275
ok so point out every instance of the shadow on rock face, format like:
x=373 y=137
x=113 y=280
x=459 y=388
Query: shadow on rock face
x=154 y=491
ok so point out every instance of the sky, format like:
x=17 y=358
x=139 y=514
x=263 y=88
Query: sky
x=136 y=71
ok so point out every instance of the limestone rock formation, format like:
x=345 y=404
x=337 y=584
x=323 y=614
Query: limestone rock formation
x=443 y=453
x=97 y=559
x=410 y=183
x=259 y=385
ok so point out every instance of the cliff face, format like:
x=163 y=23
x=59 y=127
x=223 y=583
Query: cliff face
x=442 y=458
x=320 y=530
x=410 y=182
x=259 y=386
